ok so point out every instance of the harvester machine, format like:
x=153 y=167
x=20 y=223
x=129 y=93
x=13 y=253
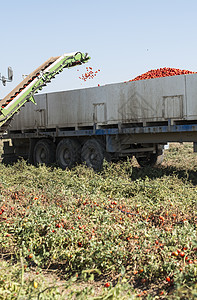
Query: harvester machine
x=34 y=82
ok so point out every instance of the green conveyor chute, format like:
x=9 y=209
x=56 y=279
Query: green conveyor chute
x=34 y=82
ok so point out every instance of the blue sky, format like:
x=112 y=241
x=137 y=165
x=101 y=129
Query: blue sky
x=124 y=38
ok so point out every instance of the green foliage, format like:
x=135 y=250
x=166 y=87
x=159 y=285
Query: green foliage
x=124 y=225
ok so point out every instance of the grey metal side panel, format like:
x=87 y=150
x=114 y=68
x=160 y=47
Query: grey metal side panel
x=142 y=101
x=191 y=90
x=153 y=100
x=149 y=100
x=31 y=116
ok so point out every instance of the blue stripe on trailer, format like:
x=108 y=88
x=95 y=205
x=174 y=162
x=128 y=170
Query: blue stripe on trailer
x=108 y=131
x=134 y=130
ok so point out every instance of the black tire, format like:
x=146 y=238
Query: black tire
x=44 y=152
x=150 y=160
x=68 y=153
x=93 y=154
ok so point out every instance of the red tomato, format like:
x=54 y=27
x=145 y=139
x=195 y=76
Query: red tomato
x=107 y=284
x=168 y=279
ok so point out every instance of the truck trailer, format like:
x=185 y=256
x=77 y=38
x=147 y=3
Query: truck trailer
x=113 y=121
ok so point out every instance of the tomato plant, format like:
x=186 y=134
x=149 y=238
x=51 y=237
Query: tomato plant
x=124 y=223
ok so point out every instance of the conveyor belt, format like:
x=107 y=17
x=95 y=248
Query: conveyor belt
x=34 y=82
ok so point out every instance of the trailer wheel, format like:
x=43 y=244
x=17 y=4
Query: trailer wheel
x=93 y=154
x=150 y=160
x=68 y=153
x=44 y=152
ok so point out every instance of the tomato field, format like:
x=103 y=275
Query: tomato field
x=123 y=233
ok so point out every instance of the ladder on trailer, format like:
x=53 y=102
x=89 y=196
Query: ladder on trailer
x=34 y=82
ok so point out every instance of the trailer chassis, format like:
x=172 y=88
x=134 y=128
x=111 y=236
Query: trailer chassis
x=71 y=146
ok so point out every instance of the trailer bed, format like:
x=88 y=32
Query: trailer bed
x=153 y=102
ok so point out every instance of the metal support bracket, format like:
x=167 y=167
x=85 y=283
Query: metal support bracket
x=32 y=100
